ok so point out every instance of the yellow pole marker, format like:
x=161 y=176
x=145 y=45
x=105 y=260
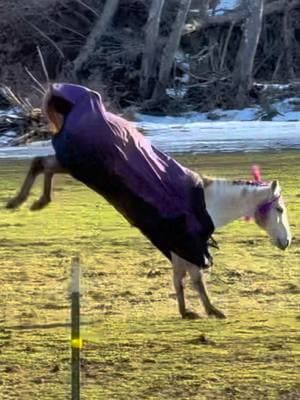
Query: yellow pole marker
x=77 y=343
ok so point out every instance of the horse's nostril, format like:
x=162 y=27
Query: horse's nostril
x=283 y=244
x=280 y=244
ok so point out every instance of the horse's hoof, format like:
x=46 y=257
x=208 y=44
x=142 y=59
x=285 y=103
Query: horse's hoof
x=191 y=315
x=39 y=204
x=13 y=203
x=214 y=312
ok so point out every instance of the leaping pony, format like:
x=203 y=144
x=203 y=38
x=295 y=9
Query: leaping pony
x=176 y=209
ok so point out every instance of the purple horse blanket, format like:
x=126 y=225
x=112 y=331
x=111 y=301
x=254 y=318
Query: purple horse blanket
x=150 y=189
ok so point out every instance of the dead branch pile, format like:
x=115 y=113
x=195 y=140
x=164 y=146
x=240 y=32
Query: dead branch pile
x=21 y=118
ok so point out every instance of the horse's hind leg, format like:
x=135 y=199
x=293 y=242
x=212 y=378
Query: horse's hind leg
x=179 y=272
x=198 y=282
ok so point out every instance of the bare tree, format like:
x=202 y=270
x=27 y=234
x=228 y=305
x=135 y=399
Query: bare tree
x=243 y=71
x=148 y=70
x=94 y=37
x=287 y=39
x=170 y=48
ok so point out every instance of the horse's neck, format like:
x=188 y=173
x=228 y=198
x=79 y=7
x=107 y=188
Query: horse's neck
x=227 y=201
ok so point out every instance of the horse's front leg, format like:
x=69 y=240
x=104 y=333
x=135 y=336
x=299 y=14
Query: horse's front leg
x=51 y=167
x=179 y=272
x=197 y=278
x=48 y=165
x=36 y=168
x=46 y=194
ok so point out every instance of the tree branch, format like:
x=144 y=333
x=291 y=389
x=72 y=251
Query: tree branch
x=43 y=34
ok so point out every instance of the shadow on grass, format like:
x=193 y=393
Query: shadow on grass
x=52 y=325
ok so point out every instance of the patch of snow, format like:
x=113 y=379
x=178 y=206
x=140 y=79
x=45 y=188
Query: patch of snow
x=180 y=56
x=289 y=109
x=11 y=113
x=161 y=122
x=6 y=137
x=210 y=137
x=184 y=79
x=185 y=66
x=226 y=5
x=287 y=105
x=247 y=114
x=29 y=151
x=176 y=93
x=288 y=116
x=216 y=131
x=272 y=86
x=172 y=135
x=41 y=143
x=3 y=141
x=10 y=134
x=223 y=6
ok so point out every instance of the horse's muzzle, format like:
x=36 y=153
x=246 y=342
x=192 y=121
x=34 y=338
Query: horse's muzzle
x=283 y=244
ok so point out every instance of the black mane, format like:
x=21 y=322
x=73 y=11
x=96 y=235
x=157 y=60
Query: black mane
x=249 y=182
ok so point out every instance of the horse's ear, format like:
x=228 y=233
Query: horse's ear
x=275 y=188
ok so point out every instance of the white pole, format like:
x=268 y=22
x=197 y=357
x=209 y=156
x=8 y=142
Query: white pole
x=76 y=340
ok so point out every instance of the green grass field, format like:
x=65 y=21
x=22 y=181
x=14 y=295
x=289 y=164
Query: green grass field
x=135 y=345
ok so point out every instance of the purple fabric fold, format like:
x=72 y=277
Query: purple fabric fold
x=107 y=153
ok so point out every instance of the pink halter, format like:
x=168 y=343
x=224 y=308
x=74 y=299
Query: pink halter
x=265 y=207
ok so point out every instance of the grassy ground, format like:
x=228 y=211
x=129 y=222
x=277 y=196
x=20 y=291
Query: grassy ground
x=136 y=346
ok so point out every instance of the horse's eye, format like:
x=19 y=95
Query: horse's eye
x=279 y=209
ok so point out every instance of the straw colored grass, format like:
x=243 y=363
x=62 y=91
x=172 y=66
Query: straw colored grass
x=136 y=346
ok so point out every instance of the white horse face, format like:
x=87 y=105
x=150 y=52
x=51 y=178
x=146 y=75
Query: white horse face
x=272 y=217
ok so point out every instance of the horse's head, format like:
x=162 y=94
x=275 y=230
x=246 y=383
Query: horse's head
x=56 y=106
x=271 y=215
